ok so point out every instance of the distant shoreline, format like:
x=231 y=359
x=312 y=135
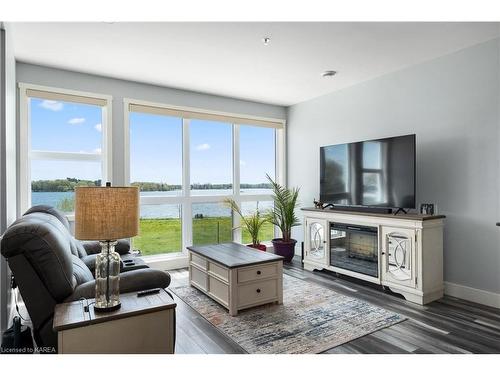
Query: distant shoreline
x=69 y=184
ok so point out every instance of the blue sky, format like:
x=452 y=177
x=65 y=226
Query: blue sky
x=155 y=146
x=69 y=127
x=63 y=126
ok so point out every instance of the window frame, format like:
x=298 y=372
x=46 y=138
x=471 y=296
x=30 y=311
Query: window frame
x=185 y=199
x=26 y=154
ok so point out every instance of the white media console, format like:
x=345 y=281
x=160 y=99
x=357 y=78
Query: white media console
x=402 y=252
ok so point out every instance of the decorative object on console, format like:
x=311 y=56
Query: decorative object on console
x=284 y=217
x=318 y=204
x=106 y=214
x=427 y=208
x=252 y=223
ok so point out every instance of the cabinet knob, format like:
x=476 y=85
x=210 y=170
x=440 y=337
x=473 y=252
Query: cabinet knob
x=258 y=290
x=383 y=253
x=258 y=272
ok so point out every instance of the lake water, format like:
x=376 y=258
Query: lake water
x=167 y=210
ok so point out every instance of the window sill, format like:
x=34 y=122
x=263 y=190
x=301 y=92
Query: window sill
x=166 y=262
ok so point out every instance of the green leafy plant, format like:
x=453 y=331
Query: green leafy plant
x=66 y=204
x=283 y=214
x=252 y=223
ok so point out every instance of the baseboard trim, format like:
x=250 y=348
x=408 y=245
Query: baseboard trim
x=483 y=297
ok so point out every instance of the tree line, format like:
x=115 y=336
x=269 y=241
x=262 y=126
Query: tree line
x=61 y=185
x=69 y=184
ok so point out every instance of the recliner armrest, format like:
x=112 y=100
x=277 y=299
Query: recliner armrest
x=132 y=281
x=94 y=247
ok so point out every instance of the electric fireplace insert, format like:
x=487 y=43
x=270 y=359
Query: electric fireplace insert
x=354 y=248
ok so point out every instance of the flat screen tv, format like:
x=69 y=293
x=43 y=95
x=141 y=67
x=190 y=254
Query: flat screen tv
x=375 y=173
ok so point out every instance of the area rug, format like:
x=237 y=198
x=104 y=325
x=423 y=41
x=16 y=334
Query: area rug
x=312 y=319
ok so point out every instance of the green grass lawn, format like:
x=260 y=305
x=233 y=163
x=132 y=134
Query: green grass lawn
x=159 y=236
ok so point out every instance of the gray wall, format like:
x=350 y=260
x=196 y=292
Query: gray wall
x=452 y=105
x=7 y=158
x=120 y=89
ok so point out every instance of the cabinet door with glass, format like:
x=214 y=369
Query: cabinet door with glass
x=399 y=256
x=316 y=241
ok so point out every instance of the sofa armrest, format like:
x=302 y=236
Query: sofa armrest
x=123 y=247
x=132 y=281
x=91 y=247
x=94 y=247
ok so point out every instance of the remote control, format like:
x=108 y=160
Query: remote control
x=148 y=292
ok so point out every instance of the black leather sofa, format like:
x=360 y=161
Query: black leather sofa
x=50 y=266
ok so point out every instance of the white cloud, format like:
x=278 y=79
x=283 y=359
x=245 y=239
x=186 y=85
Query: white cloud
x=98 y=127
x=243 y=163
x=51 y=105
x=203 y=147
x=76 y=121
x=97 y=151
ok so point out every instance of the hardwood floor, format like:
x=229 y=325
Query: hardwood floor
x=449 y=325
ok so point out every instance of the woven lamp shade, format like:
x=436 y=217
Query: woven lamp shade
x=106 y=213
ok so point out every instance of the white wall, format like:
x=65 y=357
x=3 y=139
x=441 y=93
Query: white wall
x=7 y=157
x=452 y=105
x=119 y=89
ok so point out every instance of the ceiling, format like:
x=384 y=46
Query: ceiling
x=230 y=59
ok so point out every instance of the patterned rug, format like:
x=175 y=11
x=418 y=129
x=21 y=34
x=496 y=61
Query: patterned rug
x=312 y=319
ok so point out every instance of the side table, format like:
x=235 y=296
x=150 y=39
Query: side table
x=142 y=325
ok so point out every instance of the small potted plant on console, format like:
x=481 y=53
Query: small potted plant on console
x=252 y=223
x=283 y=216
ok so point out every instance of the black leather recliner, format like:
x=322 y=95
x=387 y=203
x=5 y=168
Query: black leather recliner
x=50 y=267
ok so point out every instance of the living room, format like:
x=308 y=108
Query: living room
x=250 y=187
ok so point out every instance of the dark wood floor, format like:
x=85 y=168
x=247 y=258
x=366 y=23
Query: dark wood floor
x=449 y=325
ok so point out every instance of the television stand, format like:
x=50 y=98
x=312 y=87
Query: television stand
x=401 y=209
x=403 y=252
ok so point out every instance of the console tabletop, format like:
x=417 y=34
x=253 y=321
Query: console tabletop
x=418 y=217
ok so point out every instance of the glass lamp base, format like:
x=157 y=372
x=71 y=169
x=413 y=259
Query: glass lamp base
x=107 y=278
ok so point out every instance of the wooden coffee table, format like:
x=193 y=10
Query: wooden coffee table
x=236 y=276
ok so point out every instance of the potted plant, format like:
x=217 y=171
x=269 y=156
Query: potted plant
x=252 y=223
x=283 y=216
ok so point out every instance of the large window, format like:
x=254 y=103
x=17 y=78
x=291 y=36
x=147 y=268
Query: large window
x=63 y=145
x=156 y=154
x=187 y=163
x=156 y=168
x=257 y=158
x=211 y=157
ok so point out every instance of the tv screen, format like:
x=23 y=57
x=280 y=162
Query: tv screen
x=375 y=173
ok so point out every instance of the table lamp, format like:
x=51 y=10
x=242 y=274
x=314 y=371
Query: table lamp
x=106 y=214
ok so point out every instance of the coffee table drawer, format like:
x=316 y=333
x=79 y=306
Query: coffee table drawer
x=218 y=290
x=198 y=277
x=253 y=293
x=199 y=261
x=219 y=271
x=257 y=272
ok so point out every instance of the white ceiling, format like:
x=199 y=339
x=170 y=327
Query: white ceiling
x=230 y=59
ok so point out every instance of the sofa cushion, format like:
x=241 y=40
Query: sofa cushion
x=76 y=247
x=81 y=272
